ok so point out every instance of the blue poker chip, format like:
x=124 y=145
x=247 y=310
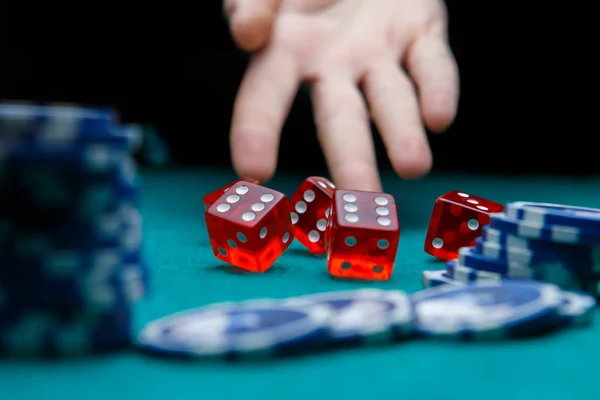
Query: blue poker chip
x=583 y=264
x=46 y=332
x=466 y=275
x=511 y=241
x=75 y=280
x=112 y=169
x=86 y=157
x=255 y=328
x=533 y=253
x=434 y=278
x=587 y=219
x=577 y=309
x=363 y=315
x=556 y=273
x=52 y=124
x=487 y=310
x=41 y=233
x=63 y=203
x=469 y=257
x=36 y=193
x=72 y=234
x=550 y=233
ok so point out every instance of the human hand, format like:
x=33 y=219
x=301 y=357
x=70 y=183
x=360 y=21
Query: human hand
x=396 y=51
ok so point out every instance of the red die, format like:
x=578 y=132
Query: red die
x=249 y=226
x=456 y=221
x=310 y=209
x=362 y=235
x=210 y=198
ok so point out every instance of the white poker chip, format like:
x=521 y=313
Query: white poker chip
x=363 y=315
x=584 y=218
x=487 y=310
x=230 y=330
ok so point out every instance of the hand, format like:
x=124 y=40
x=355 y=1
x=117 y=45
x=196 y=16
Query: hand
x=396 y=51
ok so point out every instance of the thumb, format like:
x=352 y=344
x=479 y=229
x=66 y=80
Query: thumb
x=251 y=21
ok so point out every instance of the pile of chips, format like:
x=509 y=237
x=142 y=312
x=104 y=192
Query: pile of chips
x=553 y=243
x=70 y=231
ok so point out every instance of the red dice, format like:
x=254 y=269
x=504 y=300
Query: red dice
x=310 y=209
x=456 y=221
x=210 y=198
x=362 y=235
x=249 y=226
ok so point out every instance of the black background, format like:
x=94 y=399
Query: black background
x=178 y=69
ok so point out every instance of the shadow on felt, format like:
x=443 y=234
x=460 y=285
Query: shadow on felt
x=300 y=252
x=230 y=269
x=357 y=281
x=436 y=261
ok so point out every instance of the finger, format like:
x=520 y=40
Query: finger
x=395 y=110
x=344 y=133
x=261 y=107
x=251 y=21
x=433 y=68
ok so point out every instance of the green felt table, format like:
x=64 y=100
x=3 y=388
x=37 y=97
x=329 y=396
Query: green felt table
x=186 y=275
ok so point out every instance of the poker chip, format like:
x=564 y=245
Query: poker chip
x=568 y=276
x=50 y=126
x=587 y=219
x=581 y=265
x=363 y=315
x=528 y=249
x=255 y=328
x=434 y=278
x=577 y=309
x=487 y=310
x=35 y=332
x=587 y=255
x=70 y=231
x=469 y=257
x=466 y=275
x=551 y=233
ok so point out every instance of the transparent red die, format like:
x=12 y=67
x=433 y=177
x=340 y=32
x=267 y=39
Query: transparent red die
x=456 y=221
x=249 y=226
x=362 y=235
x=310 y=210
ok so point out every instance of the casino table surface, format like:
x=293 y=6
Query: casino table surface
x=186 y=275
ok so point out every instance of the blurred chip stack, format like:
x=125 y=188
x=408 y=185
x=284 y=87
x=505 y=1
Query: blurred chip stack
x=71 y=265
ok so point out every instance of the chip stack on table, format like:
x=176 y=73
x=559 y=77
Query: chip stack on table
x=532 y=241
x=70 y=231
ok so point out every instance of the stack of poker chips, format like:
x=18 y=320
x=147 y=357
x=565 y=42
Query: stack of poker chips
x=71 y=265
x=546 y=242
